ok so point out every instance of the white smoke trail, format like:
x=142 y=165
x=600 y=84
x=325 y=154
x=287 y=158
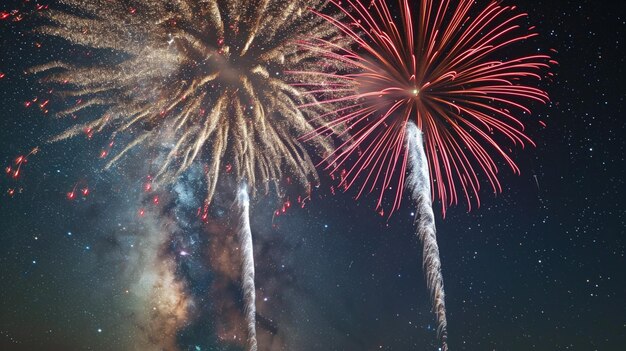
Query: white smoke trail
x=419 y=184
x=244 y=235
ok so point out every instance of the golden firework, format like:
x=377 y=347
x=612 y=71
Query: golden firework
x=208 y=78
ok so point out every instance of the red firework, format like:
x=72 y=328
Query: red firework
x=450 y=69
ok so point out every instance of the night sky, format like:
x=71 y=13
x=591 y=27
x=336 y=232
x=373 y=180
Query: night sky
x=539 y=267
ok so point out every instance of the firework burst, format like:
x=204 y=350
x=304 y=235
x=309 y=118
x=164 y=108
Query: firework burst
x=206 y=76
x=204 y=79
x=427 y=100
x=446 y=67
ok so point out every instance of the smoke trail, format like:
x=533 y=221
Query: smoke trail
x=244 y=236
x=419 y=184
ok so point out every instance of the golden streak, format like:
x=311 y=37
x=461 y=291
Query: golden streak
x=210 y=77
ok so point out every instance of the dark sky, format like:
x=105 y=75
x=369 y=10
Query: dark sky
x=539 y=267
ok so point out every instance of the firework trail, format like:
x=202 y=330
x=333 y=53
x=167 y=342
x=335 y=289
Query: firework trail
x=442 y=67
x=244 y=236
x=419 y=186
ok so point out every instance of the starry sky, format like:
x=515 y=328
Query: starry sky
x=538 y=267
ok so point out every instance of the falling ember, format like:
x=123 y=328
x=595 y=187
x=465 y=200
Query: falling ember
x=2 y=75
x=203 y=212
x=19 y=162
x=141 y=212
x=84 y=191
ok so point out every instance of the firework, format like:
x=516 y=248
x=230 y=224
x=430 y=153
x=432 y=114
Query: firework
x=207 y=76
x=205 y=79
x=444 y=68
x=448 y=75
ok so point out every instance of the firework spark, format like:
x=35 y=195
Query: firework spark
x=440 y=69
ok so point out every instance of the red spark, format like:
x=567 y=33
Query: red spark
x=147 y=187
x=88 y=132
x=104 y=153
x=2 y=75
x=155 y=200
x=142 y=212
x=84 y=190
x=229 y=168
x=203 y=212
x=11 y=192
x=4 y=15
x=442 y=65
